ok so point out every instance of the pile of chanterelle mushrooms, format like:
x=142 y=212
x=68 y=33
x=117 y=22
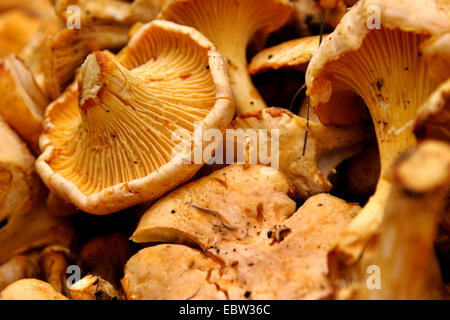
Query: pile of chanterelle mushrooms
x=98 y=201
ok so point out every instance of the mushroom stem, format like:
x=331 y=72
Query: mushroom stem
x=231 y=25
x=421 y=184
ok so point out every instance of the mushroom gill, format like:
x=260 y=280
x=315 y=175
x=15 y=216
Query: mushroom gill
x=231 y=25
x=110 y=144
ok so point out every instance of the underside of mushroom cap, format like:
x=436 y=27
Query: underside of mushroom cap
x=110 y=144
x=230 y=25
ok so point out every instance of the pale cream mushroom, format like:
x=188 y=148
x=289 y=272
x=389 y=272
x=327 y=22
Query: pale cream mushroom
x=93 y=287
x=245 y=238
x=30 y=289
x=230 y=25
x=112 y=143
x=326 y=147
x=23 y=103
x=387 y=70
x=291 y=54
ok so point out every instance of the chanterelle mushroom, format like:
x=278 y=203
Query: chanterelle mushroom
x=230 y=25
x=327 y=147
x=25 y=223
x=244 y=220
x=421 y=185
x=385 y=67
x=22 y=104
x=30 y=289
x=101 y=24
x=114 y=147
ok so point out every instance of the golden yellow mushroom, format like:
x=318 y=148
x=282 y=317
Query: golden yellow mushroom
x=112 y=143
x=230 y=25
x=383 y=65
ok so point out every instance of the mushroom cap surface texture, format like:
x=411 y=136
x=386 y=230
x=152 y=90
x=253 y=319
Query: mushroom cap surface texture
x=112 y=142
x=326 y=147
x=291 y=54
x=236 y=229
x=30 y=289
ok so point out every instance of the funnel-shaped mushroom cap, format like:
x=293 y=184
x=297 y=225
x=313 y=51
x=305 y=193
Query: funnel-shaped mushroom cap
x=255 y=246
x=30 y=289
x=230 y=25
x=114 y=143
x=22 y=104
x=291 y=54
x=385 y=67
x=326 y=148
x=433 y=118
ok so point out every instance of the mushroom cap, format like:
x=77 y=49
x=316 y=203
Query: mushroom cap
x=61 y=54
x=430 y=17
x=326 y=148
x=291 y=54
x=433 y=117
x=111 y=11
x=168 y=77
x=256 y=246
x=173 y=272
x=231 y=25
x=30 y=289
x=23 y=103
